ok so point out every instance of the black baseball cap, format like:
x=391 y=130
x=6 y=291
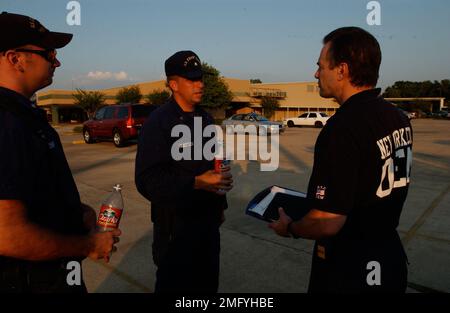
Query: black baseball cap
x=185 y=64
x=17 y=30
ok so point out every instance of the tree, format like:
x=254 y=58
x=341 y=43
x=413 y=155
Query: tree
x=418 y=89
x=130 y=94
x=255 y=81
x=158 y=97
x=89 y=101
x=216 y=93
x=444 y=90
x=270 y=105
x=407 y=89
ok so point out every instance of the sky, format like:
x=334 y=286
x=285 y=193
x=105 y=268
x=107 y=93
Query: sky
x=120 y=42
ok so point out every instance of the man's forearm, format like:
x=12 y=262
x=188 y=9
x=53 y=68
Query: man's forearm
x=308 y=228
x=33 y=243
x=318 y=224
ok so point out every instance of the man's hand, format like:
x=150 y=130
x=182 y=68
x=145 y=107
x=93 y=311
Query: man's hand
x=280 y=226
x=101 y=245
x=212 y=181
x=315 y=225
x=23 y=239
x=89 y=217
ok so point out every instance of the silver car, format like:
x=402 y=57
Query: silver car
x=251 y=123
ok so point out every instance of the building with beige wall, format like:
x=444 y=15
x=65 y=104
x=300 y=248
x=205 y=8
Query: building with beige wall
x=294 y=99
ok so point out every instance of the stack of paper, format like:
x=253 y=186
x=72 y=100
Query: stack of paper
x=266 y=203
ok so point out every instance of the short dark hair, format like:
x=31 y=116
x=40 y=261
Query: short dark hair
x=359 y=49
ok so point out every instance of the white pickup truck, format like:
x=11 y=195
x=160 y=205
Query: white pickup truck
x=316 y=119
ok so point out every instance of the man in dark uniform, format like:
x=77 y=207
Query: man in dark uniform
x=43 y=224
x=360 y=178
x=187 y=195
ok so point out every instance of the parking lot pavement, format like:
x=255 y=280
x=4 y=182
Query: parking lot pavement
x=253 y=259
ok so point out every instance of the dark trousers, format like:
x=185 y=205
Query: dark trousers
x=188 y=260
x=344 y=269
x=17 y=276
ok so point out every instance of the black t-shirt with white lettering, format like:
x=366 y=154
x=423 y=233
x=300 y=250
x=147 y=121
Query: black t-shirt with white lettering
x=362 y=165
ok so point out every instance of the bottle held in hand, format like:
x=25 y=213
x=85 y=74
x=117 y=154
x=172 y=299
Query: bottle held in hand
x=220 y=161
x=111 y=210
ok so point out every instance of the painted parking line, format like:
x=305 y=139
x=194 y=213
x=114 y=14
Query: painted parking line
x=421 y=220
x=78 y=142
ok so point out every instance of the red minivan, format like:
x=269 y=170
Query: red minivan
x=117 y=122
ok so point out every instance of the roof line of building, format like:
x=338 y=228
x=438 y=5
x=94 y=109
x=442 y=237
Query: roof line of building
x=279 y=83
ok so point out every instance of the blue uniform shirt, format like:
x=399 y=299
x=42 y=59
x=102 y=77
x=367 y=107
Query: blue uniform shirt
x=168 y=183
x=34 y=170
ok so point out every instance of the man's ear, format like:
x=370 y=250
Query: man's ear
x=342 y=71
x=13 y=58
x=173 y=85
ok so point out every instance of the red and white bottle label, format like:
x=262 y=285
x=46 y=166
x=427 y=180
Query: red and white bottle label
x=219 y=164
x=109 y=217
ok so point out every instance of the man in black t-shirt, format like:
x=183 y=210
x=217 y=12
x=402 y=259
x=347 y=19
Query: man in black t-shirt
x=360 y=177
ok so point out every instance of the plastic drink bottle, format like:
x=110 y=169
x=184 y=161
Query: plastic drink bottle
x=111 y=210
x=220 y=160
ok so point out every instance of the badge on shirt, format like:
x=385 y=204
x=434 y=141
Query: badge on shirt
x=321 y=251
x=320 y=192
x=51 y=144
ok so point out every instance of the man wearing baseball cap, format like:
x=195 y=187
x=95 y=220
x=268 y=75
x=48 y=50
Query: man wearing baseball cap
x=44 y=227
x=187 y=195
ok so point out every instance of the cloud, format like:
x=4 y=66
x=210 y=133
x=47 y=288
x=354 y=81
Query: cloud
x=99 y=75
x=121 y=76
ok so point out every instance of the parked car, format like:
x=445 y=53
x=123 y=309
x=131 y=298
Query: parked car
x=410 y=115
x=420 y=114
x=441 y=114
x=316 y=119
x=262 y=125
x=117 y=122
